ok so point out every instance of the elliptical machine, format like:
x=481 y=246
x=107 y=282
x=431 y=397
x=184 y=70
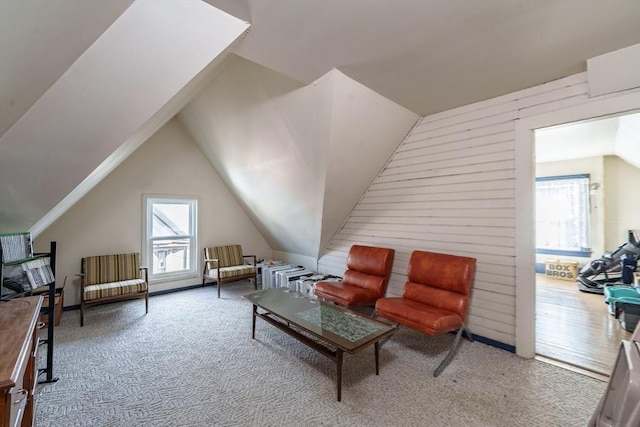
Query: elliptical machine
x=607 y=270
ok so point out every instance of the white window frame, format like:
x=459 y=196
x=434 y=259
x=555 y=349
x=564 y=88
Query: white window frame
x=148 y=240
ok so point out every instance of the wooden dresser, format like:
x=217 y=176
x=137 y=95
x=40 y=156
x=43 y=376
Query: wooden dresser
x=18 y=351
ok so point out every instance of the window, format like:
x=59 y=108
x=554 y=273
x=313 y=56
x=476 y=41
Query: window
x=170 y=236
x=562 y=215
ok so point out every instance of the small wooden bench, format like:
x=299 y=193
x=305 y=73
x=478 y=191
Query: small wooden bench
x=223 y=264
x=110 y=278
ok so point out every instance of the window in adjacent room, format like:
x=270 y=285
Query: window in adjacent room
x=562 y=215
x=170 y=236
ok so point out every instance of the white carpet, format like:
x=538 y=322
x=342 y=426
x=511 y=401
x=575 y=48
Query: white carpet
x=191 y=362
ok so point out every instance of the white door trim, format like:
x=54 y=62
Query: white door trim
x=524 y=200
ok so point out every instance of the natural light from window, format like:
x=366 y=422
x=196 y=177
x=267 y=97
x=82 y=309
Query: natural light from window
x=170 y=236
x=562 y=213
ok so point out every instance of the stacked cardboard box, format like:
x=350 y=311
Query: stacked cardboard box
x=559 y=269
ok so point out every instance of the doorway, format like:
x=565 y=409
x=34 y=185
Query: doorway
x=579 y=169
x=524 y=202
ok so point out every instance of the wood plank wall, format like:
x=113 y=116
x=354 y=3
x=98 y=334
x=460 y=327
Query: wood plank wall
x=450 y=188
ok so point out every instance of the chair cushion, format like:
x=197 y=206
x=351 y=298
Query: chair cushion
x=366 y=278
x=233 y=271
x=443 y=271
x=114 y=288
x=345 y=294
x=435 y=297
x=370 y=260
x=371 y=283
x=227 y=256
x=110 y=268
x=412 y=314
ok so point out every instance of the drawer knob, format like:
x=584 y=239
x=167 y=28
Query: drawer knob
x=24 y=394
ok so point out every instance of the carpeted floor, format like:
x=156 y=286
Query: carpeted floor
x=191 y=362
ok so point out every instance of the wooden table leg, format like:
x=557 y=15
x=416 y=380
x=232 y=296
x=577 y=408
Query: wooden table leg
x=339 y=373
x=376 y=347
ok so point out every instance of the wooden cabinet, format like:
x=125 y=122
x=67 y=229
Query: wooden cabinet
x=18 y=353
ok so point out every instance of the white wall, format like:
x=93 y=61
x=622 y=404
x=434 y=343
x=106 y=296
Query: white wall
x=264 y=134
x=298 y=158
x=296 y=259
x=109 y=218
x=451 y=187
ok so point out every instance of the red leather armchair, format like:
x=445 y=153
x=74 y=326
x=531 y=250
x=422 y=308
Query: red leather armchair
x=435 y=297
x=364 y=282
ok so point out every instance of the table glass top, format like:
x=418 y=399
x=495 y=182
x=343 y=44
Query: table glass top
x=339 y=326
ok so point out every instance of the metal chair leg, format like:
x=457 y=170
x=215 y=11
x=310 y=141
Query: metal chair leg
x=449 y=355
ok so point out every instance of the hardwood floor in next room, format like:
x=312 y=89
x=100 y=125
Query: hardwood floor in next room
x=575 y=327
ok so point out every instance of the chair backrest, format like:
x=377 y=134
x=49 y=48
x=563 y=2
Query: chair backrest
x=369 y=267
x=110 y=268
x=440 y=280
x=227 y=256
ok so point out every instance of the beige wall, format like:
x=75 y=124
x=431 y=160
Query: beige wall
x=109 y=218
x=622 y=200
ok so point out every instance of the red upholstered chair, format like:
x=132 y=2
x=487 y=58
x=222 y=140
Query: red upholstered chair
x=364 y=282
x=435 y=297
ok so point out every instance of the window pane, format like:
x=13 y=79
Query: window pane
x=562 y=213
x=171 y=255
x=170 y=219
x=171 y=237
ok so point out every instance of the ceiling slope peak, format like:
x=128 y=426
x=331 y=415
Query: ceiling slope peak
x=149 y=54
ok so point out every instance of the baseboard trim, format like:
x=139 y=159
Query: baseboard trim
x=170 y=291
x=494 y=343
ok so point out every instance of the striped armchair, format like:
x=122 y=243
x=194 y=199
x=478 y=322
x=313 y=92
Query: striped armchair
x=223 y=264
x=109 y=278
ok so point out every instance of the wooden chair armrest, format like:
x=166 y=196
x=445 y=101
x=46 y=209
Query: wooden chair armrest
x=146 y=273
x=81 y=276
x=216 y=265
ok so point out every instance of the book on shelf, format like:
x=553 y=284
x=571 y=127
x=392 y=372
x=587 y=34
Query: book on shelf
x=15 y=246
x=39 y=272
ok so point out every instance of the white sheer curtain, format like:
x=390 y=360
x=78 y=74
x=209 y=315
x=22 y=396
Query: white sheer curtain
x=562 y=213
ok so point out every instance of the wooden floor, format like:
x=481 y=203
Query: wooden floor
x=575 y=327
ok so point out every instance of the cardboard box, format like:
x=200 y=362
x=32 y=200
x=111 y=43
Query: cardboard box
x=563 y=270
x=57 y=311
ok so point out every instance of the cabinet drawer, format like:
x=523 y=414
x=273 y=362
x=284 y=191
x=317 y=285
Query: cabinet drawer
x=18 y=402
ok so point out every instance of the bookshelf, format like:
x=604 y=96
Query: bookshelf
x=24 y=274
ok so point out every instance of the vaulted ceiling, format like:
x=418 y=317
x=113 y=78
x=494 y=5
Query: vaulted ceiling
x=433 y=55
x=423 y=56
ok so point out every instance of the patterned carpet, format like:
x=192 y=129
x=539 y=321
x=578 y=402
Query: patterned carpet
x=191 y=362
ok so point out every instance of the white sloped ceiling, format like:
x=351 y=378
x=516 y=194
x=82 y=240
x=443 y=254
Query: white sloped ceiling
x=138 y=65
x=39 y=40
x=297 y=157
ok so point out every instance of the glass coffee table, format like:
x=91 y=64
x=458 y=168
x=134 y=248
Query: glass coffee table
x=329 y=329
